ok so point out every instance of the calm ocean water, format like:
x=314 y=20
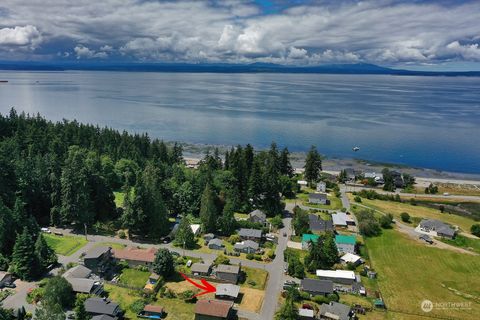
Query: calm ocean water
x=431 y=122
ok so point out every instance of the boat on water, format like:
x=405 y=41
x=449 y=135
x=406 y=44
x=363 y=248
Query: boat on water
x=3 y=81
x=356 y=149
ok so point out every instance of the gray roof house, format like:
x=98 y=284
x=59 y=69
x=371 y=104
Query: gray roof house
x=98 y=259
x=257 y=216
x=228 y=273
x=247 y=246
x=103 y=317
x=250 y=234
x=102 y=306
x=78 y=277
x=335 y=311
x=317 y=224
x=227 y=291
x=216 y=244
x=201 y=269
x=208 y=236
x=306 y=314
x=317 y=287
x=437 y=228
x=318 y=198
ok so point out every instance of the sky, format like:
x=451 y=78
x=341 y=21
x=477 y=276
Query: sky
x=412 y=34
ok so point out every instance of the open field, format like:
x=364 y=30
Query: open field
x=258 y=276
x=409 y=272
x=64 y=245
x=134 y=277
x=396 y=208
x=464 y=242
x=252 y=299
x=112 y=245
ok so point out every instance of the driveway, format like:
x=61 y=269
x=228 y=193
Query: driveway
x=19 y=299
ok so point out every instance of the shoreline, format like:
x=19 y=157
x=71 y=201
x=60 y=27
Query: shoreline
x=334 y=165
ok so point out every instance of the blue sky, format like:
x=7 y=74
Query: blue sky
x=414 y=34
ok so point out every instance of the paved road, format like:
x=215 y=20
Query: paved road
x=19 y=299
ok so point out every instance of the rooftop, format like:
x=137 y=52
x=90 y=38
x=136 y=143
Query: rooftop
x=216 y=241
x=213 y=308
x=320 y=196
x=228 y=268
x=258 y=213
x=340 y=274
x=96 y=252
x=344 y=239
x=325 y=286
x=309 y=237
x=102 y=306
x=318 y=224
x=349 y=257
x=152 y=308
x=253 y=233
x=227 y=289
x=77 y=272
x=335 y=310
x=246 y=244
x=340 y=218
x=135 y=254
x=305 y=313
x=81 y=284
x=200 y=267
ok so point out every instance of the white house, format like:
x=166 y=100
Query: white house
x=337 y=276
x=351 y=258
x=195 y=229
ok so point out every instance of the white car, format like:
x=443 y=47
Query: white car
x=189 y=263
x=46 y=230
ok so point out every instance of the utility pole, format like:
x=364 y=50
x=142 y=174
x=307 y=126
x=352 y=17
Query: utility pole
x=85 y=225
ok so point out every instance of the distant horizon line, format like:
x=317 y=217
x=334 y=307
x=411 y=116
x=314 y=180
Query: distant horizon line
x=222 y=67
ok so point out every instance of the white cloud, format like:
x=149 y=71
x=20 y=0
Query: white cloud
x=377 y=31
x=27 y=36
x=83 y=52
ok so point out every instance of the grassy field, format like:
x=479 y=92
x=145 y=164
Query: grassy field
x=112 y=245
x=258 y=276
x=335 y=203
x=229 y=247
x=464 y=242
x=134 y=278
x=409 y=272
x=396 y=208
x=65 y=245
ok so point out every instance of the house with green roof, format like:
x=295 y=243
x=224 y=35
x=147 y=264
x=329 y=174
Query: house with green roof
x=345 y=243
x=307 y=238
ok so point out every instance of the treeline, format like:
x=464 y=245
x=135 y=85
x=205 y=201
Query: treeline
x=65 y=173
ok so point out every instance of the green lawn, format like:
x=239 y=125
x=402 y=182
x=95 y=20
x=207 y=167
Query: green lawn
x=464 y=242
x=112 y=245
x=229 y=247
x=259 y=276
x=396 y=208
x=65 y=245
x=134 y=277
x=335 y=203
x=410 y=272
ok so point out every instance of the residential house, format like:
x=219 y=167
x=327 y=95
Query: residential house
x=317 y=287
x=213 y=310
x=5 y=278
x=227 y=291
x=195 y=229
x=335 y=311
x=258 y=216
x=397 y=179
x=201 y=269
x=247 y=246
x=98 y=259
x=208 y=236
x=351 y=174
x=436 y=228
x=342 y=220
x=302 y=183
x=136 y=256
x=79 y=278
x=351 y=258
x=318 y=198
x=346 y=277
x=250 y=234
x=318 y=225
x=306 y=314
x=151 y=312
x=228 y=273
x=321 y=186
x=216 y=244
x=307 y=238
x=102 y=306
x=345 y=243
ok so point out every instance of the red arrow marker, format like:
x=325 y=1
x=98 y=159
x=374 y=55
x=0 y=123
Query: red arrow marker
x=206 y=286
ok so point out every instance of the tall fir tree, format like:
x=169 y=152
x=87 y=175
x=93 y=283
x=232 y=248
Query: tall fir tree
x=285 y=165
x=24 y=259
x=313 y=165
x=227 y=222
x=44 y=253
x=208 y=209
x=184 y=236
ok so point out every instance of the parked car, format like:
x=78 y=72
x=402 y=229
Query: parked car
x=189 y=263
x=45 y=230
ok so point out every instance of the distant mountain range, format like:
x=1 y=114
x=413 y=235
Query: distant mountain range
x=359 y=68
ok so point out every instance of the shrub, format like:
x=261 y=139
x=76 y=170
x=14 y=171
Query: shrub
x=277 y=222
x=405 y=217
x=137 y=306
x=386 y=221
x=188 y=296
x=122 y=234
x=320 y=299
x=413 y=202
x=142 y=268
x=251 y=283
x=221 y=259
x=257 y=257
x=304 y=295
x=357 y=199
x=271 y=254
x=234 y=238
x=169 y=294
x=351 y=266
x=475 y=229
x=250 y=256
